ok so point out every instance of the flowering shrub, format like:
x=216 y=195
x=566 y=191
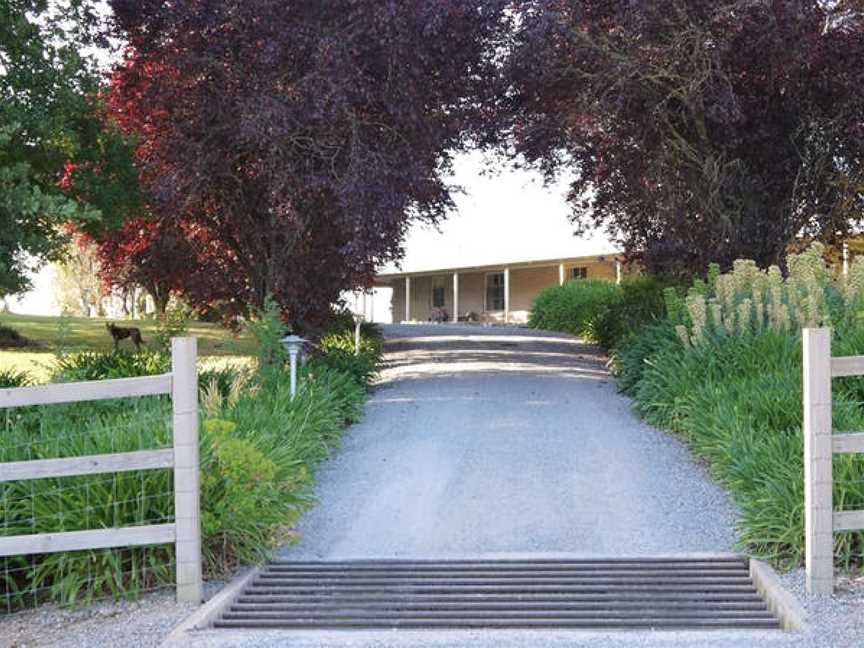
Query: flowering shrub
x=749 y=300
x=723 y=371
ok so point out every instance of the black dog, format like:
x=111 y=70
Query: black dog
x=121 y=333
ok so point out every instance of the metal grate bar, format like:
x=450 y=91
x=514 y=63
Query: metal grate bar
x=660 y=593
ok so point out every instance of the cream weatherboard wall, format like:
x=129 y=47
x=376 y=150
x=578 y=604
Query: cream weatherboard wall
x=526 y=281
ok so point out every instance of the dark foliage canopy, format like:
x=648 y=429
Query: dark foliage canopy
x=302 y=136
x=698 y=130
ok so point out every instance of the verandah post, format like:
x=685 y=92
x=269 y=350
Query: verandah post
x=408 y=299
x=818 y=462
x=184 y=398
x=506 y=295
x=455 y=317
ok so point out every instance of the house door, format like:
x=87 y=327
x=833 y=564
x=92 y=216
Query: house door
x=439 y=310
x=495 y=291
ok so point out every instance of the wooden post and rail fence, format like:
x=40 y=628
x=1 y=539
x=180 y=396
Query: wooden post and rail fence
x=182 y=384
x=820 y=446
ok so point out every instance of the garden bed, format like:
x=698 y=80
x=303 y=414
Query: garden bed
x=719 y=364
x=259 y=451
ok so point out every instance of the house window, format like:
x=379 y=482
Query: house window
x=438 y=292
x=495 y=291
x=579 y=273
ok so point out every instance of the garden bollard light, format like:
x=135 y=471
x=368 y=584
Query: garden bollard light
x=358 y=320
x=293 y=344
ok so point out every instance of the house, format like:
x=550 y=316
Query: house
x=510 y=235
x=495 y=293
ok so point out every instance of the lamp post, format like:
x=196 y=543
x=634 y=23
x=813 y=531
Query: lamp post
x=845 y=258
x=359 y=317
x=293 y=344
x=358 y=320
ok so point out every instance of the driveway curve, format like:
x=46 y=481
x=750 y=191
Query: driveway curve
x=500 y=441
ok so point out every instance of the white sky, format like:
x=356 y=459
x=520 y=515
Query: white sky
x=40 y=300
x=502 y=217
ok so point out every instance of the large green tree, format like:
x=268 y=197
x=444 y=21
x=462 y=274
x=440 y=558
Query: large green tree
x=61 y=162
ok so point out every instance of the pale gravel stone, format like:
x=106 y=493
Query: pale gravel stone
x=501 y=440
x=143 y=623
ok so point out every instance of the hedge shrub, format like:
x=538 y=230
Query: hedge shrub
x=10 y=338
x=601 y=311
x=640 y=302
x=574 y=307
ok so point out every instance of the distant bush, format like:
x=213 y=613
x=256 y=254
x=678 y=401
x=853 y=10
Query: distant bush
x=574 y=307
x=11 y=338
x=267 y=328
x=337 y=351
x=173 y=323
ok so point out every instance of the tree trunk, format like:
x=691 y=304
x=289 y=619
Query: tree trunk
x=160 y=300
x=141 y=301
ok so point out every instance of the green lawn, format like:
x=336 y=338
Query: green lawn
x=216 y=345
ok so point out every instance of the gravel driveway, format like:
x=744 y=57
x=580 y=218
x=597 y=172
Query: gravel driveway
x=493 y=440
x=500 y=442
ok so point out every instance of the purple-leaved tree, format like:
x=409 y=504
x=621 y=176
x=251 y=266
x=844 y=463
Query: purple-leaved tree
x=303 y=136
x=698 y=130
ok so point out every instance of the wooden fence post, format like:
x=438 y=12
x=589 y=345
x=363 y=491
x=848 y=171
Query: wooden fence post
x=818 y=461
x=184 y=397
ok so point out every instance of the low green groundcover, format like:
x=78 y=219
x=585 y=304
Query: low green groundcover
x=723 y=371
x=259 y=452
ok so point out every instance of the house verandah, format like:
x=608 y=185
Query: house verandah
x=500 y=293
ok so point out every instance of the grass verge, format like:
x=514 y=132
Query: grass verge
x=259 y=452
x=723 y=371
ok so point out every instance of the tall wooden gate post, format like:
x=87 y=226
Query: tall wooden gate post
x=818 y=462
x=184 y=395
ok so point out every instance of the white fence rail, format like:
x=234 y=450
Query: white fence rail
x=820 y=446
x=184 y=532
